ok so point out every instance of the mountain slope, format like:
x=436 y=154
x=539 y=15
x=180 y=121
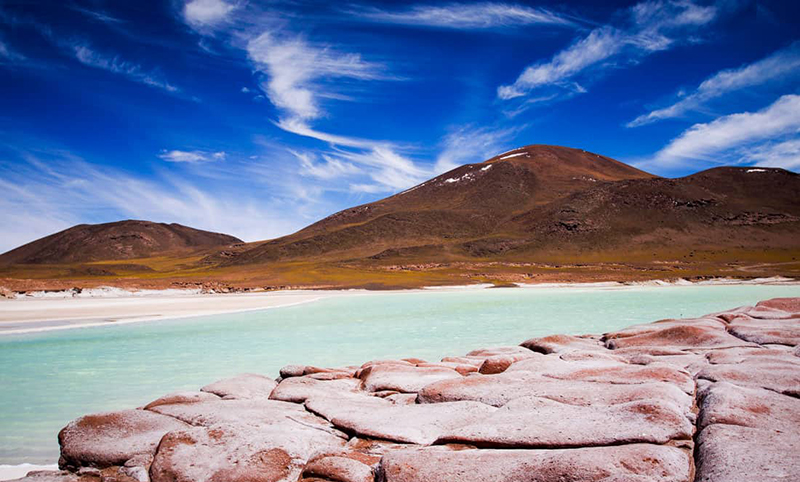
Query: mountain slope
x=468 y=202
x=114 y=241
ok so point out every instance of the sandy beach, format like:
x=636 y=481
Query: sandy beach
x=28 y=315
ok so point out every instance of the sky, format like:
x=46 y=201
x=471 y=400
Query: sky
x=257 y=118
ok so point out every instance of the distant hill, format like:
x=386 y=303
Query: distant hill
x=537 y=213
x=121 y=240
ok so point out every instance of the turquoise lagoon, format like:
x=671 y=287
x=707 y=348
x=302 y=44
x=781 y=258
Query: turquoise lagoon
x=47 y=379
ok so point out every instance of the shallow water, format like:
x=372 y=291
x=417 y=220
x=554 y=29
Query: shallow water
x=47 y=379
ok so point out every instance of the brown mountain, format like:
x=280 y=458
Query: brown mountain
x=469 y=202
x=542 y=213
x=121 y=240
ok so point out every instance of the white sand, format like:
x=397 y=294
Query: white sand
x=11 y=472
x=30 y=315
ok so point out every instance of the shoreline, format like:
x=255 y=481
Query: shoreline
x=54 y=311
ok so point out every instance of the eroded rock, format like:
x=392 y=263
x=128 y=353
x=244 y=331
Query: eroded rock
x=626 y=463
x=403 y=378
x=244 y=386
x=111 y=438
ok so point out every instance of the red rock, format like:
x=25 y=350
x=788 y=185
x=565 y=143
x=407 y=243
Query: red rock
x=779 y=375
x=339 y=469
x=625 y=463
x=749 y=407
x=111 y=438
x=299 y=389
x=534 y=422
x=53 y=476
x=203 y=455
x=374 y=417
x=244 y=386
x=500 y=363
x=605 y=370
x=728 y=453
x=790 y=305
x=684 y=336
x=403 y=378
x=562 y=343
x=499 y=350
x=497 y=390
x=766 y=331
x=182 y=397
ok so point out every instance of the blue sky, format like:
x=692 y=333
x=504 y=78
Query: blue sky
x=258 y=118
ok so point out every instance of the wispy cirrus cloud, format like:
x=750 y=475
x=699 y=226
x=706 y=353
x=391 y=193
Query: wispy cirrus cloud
x=777 y=66
x=297 y=71
x=192 y=156
x=734 y=138
x=784 y=154
x=651 y=26
x=470 y=144
x=463 y=16
x=134 y=72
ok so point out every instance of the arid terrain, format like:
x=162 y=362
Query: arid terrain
x=534 y=214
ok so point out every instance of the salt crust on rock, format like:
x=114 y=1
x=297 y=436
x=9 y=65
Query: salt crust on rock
x=728 y=453
x=182 y=397
x=403 y=378
x=630 y=463
x=497 y=390
x=604 y=369
x=299 y=389
x=244 y=386
x=749 y=407
x=374 y=417
x=532 y=422
x=111 y=438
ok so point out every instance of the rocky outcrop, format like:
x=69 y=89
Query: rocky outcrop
x=712 y=399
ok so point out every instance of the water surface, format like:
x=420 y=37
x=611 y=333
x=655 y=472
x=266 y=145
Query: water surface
x=47 y=379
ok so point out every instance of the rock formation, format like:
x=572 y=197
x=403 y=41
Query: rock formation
x=712 y=399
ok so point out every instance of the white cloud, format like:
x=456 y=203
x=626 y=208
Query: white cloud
x=134 y=72
x=777 y=66
x=464 y=16
x=327 y=168
x=206 y=13
x=192 y=156
x=653 y=26
x=295 y=70
x=468 y=144
x=711 y=141
x=784 y=154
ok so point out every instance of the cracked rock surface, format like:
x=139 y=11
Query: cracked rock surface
x=712 y=399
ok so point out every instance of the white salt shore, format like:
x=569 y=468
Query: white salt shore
x=39 y=311
x=11 y=472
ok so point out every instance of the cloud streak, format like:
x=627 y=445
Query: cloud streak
x=464 y=16
x=192 y=156
x=206 y=13
x=652 y=26
x=777 y=66
x=132 y=71
x=715 y=141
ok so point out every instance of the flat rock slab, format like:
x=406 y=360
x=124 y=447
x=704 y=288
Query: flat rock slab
x=339 y=469
x=534 y=422
x=563 y=343
x=605 y=370
x=625 y=463
x=182 y=397
x=682 y=335
x=377 y=418
x=728 y=453
x=299 y=389
x=111 y=438
x=748 y=407
x=766 y=331
x=779 y=375
x=244 y=386
x=403 y=378
x=497 y=390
